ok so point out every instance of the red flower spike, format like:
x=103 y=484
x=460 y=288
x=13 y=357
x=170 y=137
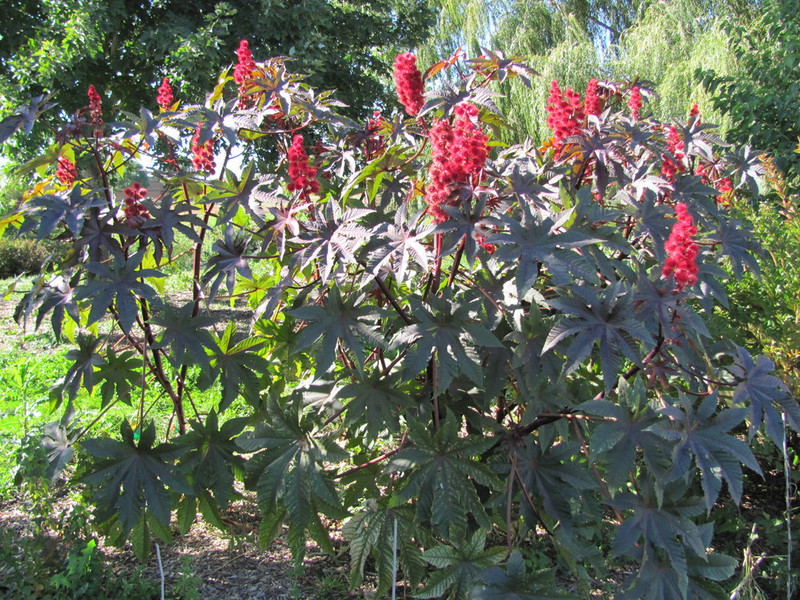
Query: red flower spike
x=566 y=114
x=592 y=103
x=695 y=111
x=135 y=212
x=725 y=188
x=96 y=110
x=682 y=250
x=408 y=82
x=635 y=102
x=243 y=73
x=303 y=176
x=66 y=171
x=202 y=154
x=165 y=98
x=459 y=153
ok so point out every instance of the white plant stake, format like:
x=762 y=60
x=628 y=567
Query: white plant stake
x=394 y=562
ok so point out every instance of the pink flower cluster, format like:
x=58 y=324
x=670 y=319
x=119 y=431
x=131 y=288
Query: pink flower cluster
x=303 y=175
x=202 y=154
x=682 y=250
x=165 y=98
x=95 y=111
x=135 y=212
x=459 y=152
x=566 y=113
x=408 y=82
x=635 y=102
x=243 y=72
x=66 y=171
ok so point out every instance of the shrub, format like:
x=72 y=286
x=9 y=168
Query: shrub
x=450 y=339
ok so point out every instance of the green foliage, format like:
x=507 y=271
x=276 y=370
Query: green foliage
x=760 y=98
x=515 y=362
x=123 y=48
x=21 y=256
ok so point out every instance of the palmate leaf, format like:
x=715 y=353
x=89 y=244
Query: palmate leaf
x=184 y=334
x=376 y=401
x=133 y=477
x=603 y=318
x=395 y=246
x=764 y=391
x=513 y=583
x=444 y=327
x=55 y=294
x=119 y=375
x=58 y=439
x=332 y=235
x=118 y=283
x=702 y=433
x=738 y=245
x=465 y=225
x=51 y=210
x=287 y=473
x=629 y=433
x=339 y=318
x=237 y=364
x=658 y=580
x=85 y=358
x=211 y=457
x=167 y=219
x=227 y=262
x=552 y=475
x=442 y=475
x=458 y=566
x=538 y=239
x=661 y=525
x=371 y=534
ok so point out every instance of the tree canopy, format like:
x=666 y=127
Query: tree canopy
x=125 y=47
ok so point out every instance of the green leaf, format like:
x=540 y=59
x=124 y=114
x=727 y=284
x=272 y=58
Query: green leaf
x=287 y=471
x=133 y=478
x=339 y=318
x=458 y=566
x=514 y=584
x=238 y=366
x=442 y=475
x=119 y=375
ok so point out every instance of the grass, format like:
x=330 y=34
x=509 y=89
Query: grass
x=32 y=361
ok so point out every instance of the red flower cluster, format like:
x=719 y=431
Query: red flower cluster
x=66 y=171
x=96 y=111
x=635 y=102
x=459 y=151
x=408 y=81
x=591 y=103
x=566 y=113
x=302 y=174
x=165 y=98
x=374 y=143
x=202 y=154
x=725 y=188
x=670 y=167
x=682 y=250
x=695 y=111
x=135 y=212
x=243 y=72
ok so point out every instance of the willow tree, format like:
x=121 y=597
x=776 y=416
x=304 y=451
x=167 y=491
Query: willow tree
x=658 y=43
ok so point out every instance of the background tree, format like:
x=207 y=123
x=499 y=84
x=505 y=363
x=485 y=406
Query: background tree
x=571 y=41
x=124 y=47
x=760 y=97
